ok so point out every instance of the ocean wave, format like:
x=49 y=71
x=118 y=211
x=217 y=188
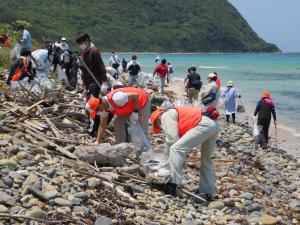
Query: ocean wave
x=213 y=67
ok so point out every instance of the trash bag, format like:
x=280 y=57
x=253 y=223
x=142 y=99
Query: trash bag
x=166 y=105
x=143 y=79
x=155 y=164
x=256 y=131
x=15 y=53
x=138 y=138
x=45 y=82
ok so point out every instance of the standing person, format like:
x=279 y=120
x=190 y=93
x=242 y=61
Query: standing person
x=193 y=84
x=26 y=37
x=92 y=58
x=126 y=103
x=124 y=65
x=211 y=94
x=22 y=68
x=230 y=94
x=186 y=76
x=133 y=68
x=157 y=59
x=187 y=127
x=264 y=108
x=162 y=71
x=64 y=44
x=114 y=62
x=170 y=74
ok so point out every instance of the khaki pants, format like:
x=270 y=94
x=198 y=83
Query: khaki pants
x=119 y=123
x=193 y=94
x=204 y=133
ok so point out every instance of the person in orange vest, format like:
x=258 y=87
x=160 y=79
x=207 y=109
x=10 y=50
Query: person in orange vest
x=22 y=68
x=162 y=71
x=218 y=80
x=186 y=127
x=125 y=103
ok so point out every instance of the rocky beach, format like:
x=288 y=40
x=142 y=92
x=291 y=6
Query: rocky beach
x=51 y=173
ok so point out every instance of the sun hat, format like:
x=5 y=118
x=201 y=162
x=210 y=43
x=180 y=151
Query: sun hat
x=229 y=83
x=211 y=75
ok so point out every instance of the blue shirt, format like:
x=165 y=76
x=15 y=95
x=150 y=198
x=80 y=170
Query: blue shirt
x=27 y=40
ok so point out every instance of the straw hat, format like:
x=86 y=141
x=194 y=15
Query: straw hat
x=230 y=84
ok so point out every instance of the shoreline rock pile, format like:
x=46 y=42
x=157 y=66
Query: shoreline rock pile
x=43 y=179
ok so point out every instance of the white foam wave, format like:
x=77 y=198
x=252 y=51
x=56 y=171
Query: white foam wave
x=213 y=67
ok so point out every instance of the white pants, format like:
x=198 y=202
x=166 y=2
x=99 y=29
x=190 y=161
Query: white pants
x=204 y=133
x=119 y=123
x=161 y=85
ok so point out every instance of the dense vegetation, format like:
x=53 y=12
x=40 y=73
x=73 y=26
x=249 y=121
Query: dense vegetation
x=141 y=25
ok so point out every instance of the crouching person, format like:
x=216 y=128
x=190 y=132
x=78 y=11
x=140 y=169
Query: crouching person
x=22 y=68
x=125 y=103
x=187 y=127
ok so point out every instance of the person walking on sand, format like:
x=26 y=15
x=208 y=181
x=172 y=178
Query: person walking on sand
x=114 y=62
x=264 y=108
x=133 y=69
x=229 y=95
x=162 y=71
x=193 y=84
x=185 y=128
x=211 y=94
x=124 y=65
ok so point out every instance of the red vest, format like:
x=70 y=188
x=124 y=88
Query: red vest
x=218 y=82
x=18 y=73
x=188 y=118
x=161 y=70
x=128 y=108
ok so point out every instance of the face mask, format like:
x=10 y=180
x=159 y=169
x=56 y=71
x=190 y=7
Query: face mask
x=83 y=46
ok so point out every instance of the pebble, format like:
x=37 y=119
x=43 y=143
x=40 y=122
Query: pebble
x=9 y=163
x=216 y=205
x=103 y=220
x=36 y=213
x=246 y=195
x=81 y=209
x=93 y=182
x=63 y=202
x=267 y=220
x=3 y=209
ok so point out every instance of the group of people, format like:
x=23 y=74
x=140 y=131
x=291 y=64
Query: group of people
x=185 y=127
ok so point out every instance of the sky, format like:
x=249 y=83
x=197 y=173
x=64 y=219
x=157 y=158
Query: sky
x=276 y=21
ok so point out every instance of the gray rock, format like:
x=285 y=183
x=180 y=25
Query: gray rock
x=216 y=205
x=103 y=220
x=3 y=143
x=7 y=181
x=229 y=202
x=65 y=187
x=81 y=195
x=14 y=174
x=81 y=209
x=76 y=201
x=295 y=205
x=105 y=154
x=267 y=191
x=246 y=195
x=51 y=172
x=63 y=202
x=6 y=198
x=38 y=194
x=254 y=207
x=93 y=182
x=36 y=213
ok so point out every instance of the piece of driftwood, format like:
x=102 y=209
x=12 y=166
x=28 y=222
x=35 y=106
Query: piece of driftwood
x=61 y=125
x=55 y=131
x=190 y=194
x=34 y=105
x=105 y=154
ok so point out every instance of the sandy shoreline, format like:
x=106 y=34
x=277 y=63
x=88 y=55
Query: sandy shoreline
x=286 y=139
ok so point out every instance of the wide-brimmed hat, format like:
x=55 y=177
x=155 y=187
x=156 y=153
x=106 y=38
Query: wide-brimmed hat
x=229 y=83
x=266 y=94
x=211 y=75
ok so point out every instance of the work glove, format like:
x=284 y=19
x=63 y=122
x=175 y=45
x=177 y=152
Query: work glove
x=134 y=117
x=104 y=88
x=91 y=126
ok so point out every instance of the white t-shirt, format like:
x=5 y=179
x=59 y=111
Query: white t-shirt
x=119 y=98
x=114 y=59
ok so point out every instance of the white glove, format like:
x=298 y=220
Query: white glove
x=134 y=117
x=104 y=88
x=254 y=117
x=91 y=126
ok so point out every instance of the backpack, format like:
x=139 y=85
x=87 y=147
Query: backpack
x=196 y=82
x=171 y=69
x=134 y=69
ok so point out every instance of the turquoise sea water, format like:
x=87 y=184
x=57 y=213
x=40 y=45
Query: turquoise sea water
x=251 y=74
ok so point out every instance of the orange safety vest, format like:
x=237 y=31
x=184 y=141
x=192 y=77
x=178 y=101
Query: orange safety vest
x=128 y=108
x=188 y=118
x=17 y=75
x=93 y=104
x=218 y=82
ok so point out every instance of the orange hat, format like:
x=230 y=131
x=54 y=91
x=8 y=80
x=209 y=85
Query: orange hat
x=92 y=106
x=153 y=117
x=266 y=94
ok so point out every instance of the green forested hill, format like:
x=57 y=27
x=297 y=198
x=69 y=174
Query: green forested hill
x=141 y=25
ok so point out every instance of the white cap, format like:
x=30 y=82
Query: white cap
x=211 y=75
x=229 y=83
x=63 y=39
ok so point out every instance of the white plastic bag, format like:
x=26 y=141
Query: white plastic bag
x=15 y=53
x=45 y=82
x=256 y=131
x=138 y=138
x=155 y=164
x=62 y=76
